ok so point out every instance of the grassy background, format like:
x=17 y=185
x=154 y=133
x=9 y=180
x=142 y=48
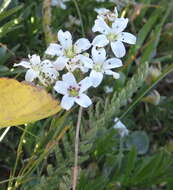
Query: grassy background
x=40 y=155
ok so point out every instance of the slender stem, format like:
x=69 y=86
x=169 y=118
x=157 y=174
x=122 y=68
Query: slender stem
x=75 y=170
x=80 y=17
x=4 y=133
x=46 y=21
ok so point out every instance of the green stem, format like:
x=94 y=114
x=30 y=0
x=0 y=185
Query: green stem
x=75 y=170
x=47 y=16
x=80 y=17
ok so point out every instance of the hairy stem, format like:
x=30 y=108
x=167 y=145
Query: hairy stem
x=75 y=170
x=47 y=16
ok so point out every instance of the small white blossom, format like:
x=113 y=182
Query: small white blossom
x=81 y=62
x=100 y=66
x=123 y=131
x=113 y=35
x=106 y=14
x=43 y=70
x=48 y=75
x=73 y=91
x=108 y=89
x=59 y=3
x=68 y=54
x=72 y=21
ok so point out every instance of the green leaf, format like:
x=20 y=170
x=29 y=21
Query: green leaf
x=9 y=26
x=9 y=12
x=131 y=159
x=143 y=33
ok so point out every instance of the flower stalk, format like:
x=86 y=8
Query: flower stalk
x=47 y=21
x=75 y=169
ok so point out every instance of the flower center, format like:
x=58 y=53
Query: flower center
x=73 y=91
x=36 y=67
x=69 y=53
x=112 y=37
x=98 y=67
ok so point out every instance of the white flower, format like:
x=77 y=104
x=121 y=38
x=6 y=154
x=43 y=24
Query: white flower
x=113 y=35
x=43 y=70
x=123 y=131
x=108 y=89
x=67 y=52
x=59 y=3
x=72 y=21
x=82 y=58
x=48 y=74
x=100 y=66
x=106 y=14
x=73 y=91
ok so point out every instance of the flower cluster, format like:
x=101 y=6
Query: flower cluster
x=87 y=60
x=111 y=28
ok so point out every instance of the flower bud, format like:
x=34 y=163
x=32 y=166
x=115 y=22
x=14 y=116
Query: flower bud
x=153 y=74
x=152 y=98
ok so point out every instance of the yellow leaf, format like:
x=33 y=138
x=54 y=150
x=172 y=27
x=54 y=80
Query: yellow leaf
x=22 y=103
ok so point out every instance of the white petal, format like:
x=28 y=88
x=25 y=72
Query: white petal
x=50 y=72
x=127 y=37
x=119 y=25
x=31 y=75
x=112 y=63
x=72 y=67
x=69 y=78
x=54 y=49
x=74 y=60
x=35 y=59
x=96 y=78
x=85 y=84
x=24 y=64
x=81 y=45
x=61 y=87
x=62 y=5
x=67 y=102
x=53 y=2
x=123 y=131
x=83 y=100
x=58 y=3
x=101 y=26
x=116 y=12
x=60 y=63
x=46 y=64
x=118 y=49
x=65 y=39
x=100 y=41
x=114 y=74
x=86 y=61
x=98 y=55
x=101 y=11
x=84 y=69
